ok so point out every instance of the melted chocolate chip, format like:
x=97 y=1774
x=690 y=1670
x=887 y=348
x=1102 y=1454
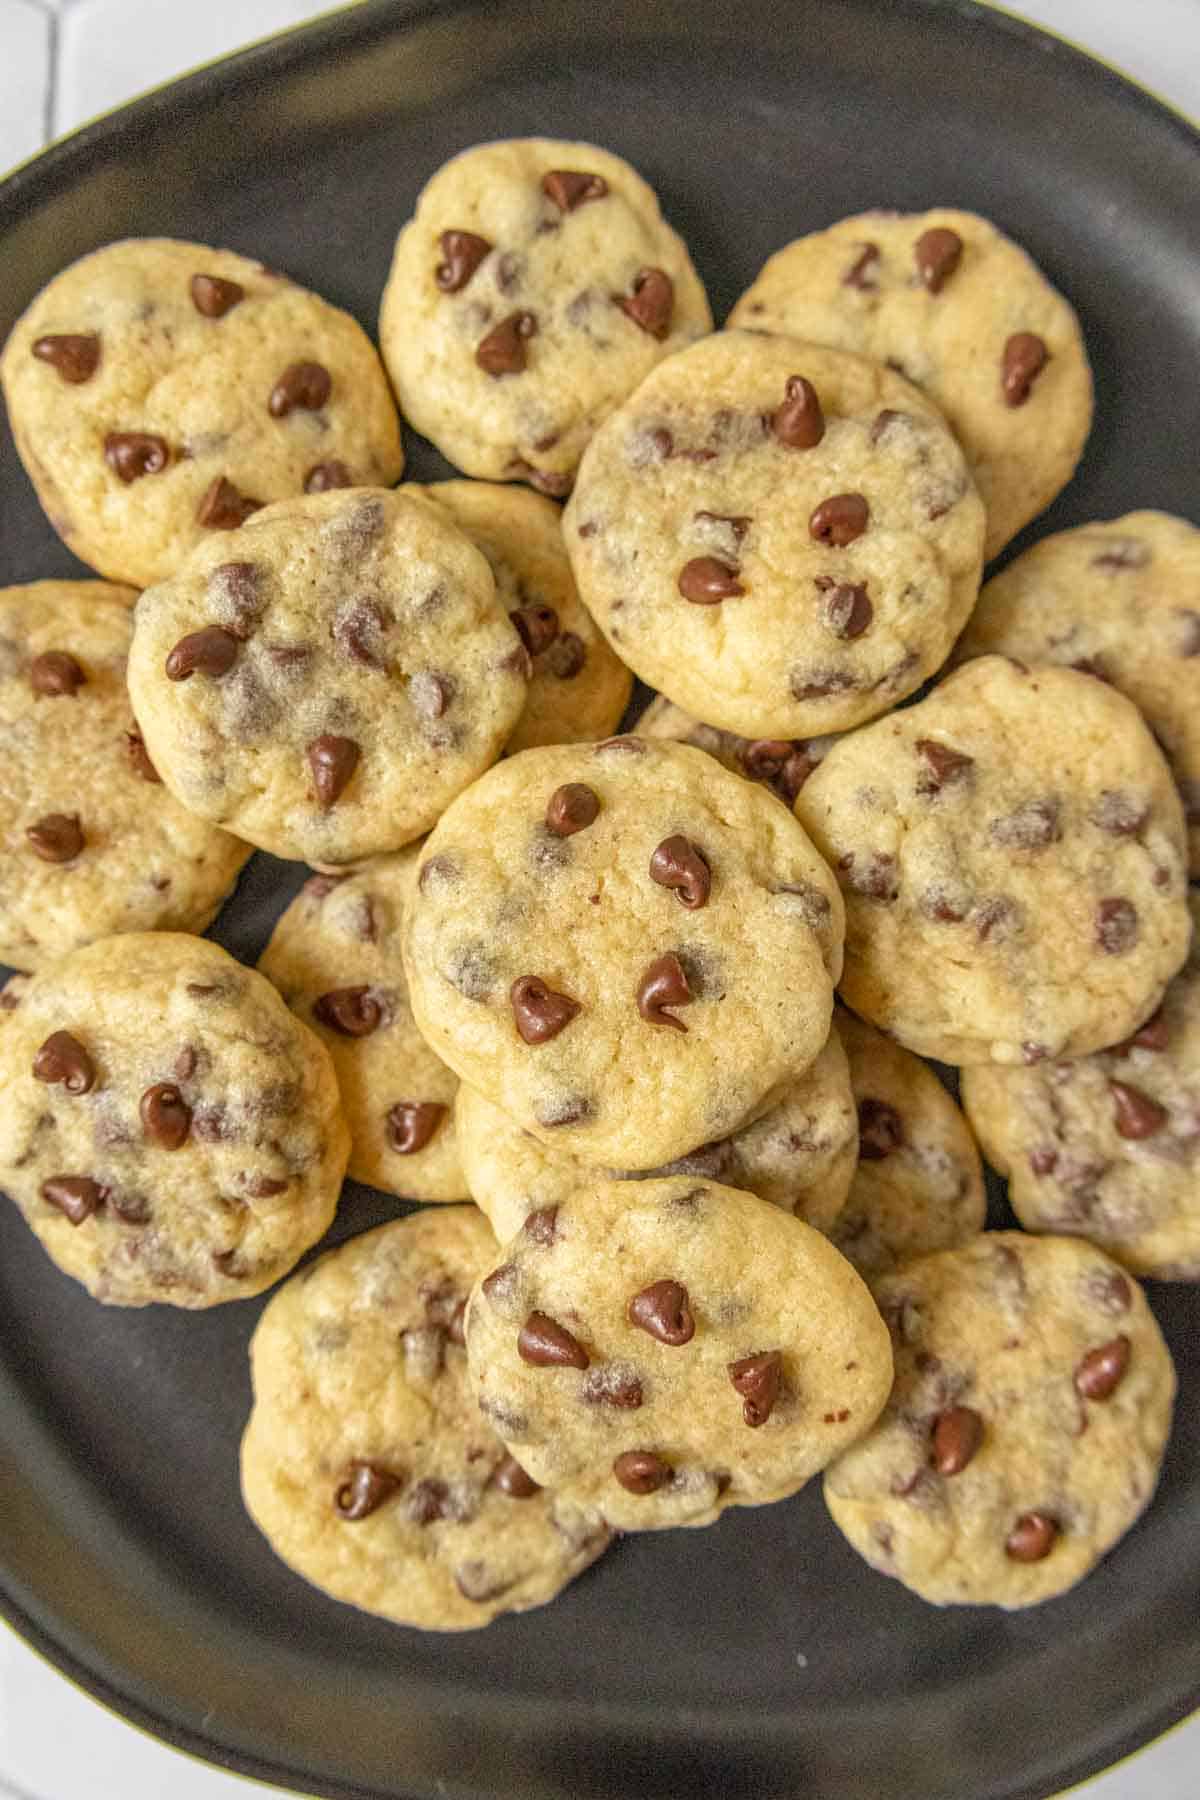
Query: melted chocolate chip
x=650 y=303
x=512 y=1480
x=937 y=252
x=62 y=1060
x=462 y=253
x=843 y=607
x=616 y=1384
x=536 y=626
x=502 y=351
x=210 y=651
x=957 y=1435
x=571 y=808
x=139 y=756
x=641 y=1471
x=862 y=271
x=55 y=672
x=333 y=761
x=1119 y=813
x=798 y=422
x=1032 y=1538
x=1135 y=1114
x=56 y=837
x=1031 y=827
x=1025 y=356
x=943 y=766
x=875 y=877
x=706 y=580
x=307 y=385
x=546 y=1344
x=165 y=1115
x=427 y=1501
x=539 y=1012
x=223 y=508
x=213 y=296
x=541 y=1226
x=566 y=656
x=880 y=1130
x=77 y=1196
x=839 y=520
x=682 y=866
x=364 y=1488
x=132 y=454
x=75 y=356
x=1116 y=926
x=664 y=984
x=358 y=630
x=324 y=476
x=412 y=1123
x=569 y=188
x=757 y=1379
x=1101 y=1372
x=662 y=1309
x=353 y=1012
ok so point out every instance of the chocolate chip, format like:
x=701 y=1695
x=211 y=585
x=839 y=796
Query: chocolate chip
x=55 y=672
x=641 y=1471
x=1153 y=1035
x=538 y=1011
x=132 y=454
x=682 y=866
x=875 y=877
x=364 y=1487
x=957 y=1435
x=210 y=651
x=326 y=475
x=512 y=1480
x=353 y=1012
x=571 y=808
x=861 y=273
x=427 y=1501
x=880 y=1130
x=63 y=1059
x=139 y=756
x=304 y=384
x=502 y=351
x=839 y=520
x=664 y=984
x=943 y=766
x=536 y=626
x=78 y=1196
x=333 y=761
x=650 y=303
x=757 y=1379
x=358 y=630
x=166 y=1117
x=1119 y=813
x=798 y=421
x=75 y=356
x=462 y=253
x=1109 y=1290
x=56 y=837
x=1025 y=356
x=1031 y=827
x=937 y=253
x=706 y=580
x=223 y=508
x=843 y=607
x=263 y=1187
x=541 y=1226
x=662 y=1309
x=1032 y=1537
x=1123 y=553
x=1135 y=1114
x=566 y=656
x=1043 y=1161
x=411 y=1124
x=456 y=1325
x=545 y=1344
x=1116 y=926
x=1101 y=1372
x=213 y=296
x=762 y=759
x=568 y=188
x=565 y=1109
x=616 y=1384
x=626 y=743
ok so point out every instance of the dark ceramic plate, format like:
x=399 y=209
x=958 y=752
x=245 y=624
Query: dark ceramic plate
x=760 y=1658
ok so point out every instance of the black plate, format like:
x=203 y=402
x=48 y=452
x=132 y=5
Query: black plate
x=760 y=1658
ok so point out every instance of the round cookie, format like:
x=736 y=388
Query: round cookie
x=535 y=286
x=800 y=1155
x=918 y=1186
x=91 y=843
x=324 y=681
x=628 y=949
x=782 y=538
x=1122 y=601
x=365 y=1463
x=168 y=1129
x=967 y=316
x=578 y=689
x=1026 y=1428
x=1012 y=856
x=781 y=764
x=334 y=955
x=662 y=1350
x=160 y=391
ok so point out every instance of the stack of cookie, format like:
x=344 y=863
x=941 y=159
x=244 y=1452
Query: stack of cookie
x=711 y=1232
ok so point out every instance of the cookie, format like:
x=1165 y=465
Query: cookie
x=335 y=957
x=800 y=1155
x=967 y=316
x=1121 y=601
x=781 y=764
x=159 y=392
x=535 y=286
x=91 y=843
x=662 y=1350
x=324 y=681
x=1012 y=856
x=168 y=1129
x=578 y=689
x=1026 y=1428
x=628 y=949
x=365 y=1463
x=918 y=1186
x=782 y=538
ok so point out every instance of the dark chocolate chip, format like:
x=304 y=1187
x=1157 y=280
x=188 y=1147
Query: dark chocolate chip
x=762 y=759
x=944 y=767
x=641 y=1471
x=223 y=508
x=502 y=351
x=213 y=296
x=1031 y=827
x=359 y=628
x=937 y=253
x=462 y=253
x=615 y=1384
x=536 y=626
x=55 y=672
x=307 y=385
x=862 y=271
x=843 y=607
x=333 y=761
x=512 y=1480
x=1135 y=1114
x=571 y=808
x=56 y=838
x=326 y=475
x=353 y=1012
x=1153 y=1035
x=682 y=866
x=757 y=1379
x=545 y=1344
x=798 y=421
x=541 y=1225
x=63 y=1060
x=569 y=188
x=166 y=1116
x=664 y=984
x=1025 y=356
x=1032 y=1538
x=650 y=303
x=1116 y=926
x=75 y=356
x=411 y=1124
x=1101 y=1372
x=427 y=1501
x=210 y=651
x=132 y=454
x=78 y=1196
x=364 y=1487
x=706 y=580
x=538 y=1011
x=662 y=1309
x=840 y=519
x=880 y=1130
x=957 y=1435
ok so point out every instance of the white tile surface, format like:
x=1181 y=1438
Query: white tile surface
x=54 y=1743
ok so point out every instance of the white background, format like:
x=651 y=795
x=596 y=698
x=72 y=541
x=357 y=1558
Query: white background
x=61 y=62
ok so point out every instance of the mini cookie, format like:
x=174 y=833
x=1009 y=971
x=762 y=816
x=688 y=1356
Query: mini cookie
x=578 y=689
x=1108 y=1146
x=781 y=537
x=91 y=843
x=335 y=957
x=781 y=764
x=1120 y=601
x=159 y=392
x=324 y=681
x=1013 y=862
x=662 y=1350
x=168 y=1129
x=800 y=1155
x=919 y=1182
x=625 y=947
x=964 y=313
x=1026 y=1428
x=365 y=1463
x=535 y=287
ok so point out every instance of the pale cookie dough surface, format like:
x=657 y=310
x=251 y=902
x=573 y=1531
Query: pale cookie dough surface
x=150 y=404
x=700 y=536
x=1013 y=861
x=800 y=1155
x=355 y=633
x=918 y=1186
x=571 y=987
x=1120 y=600
x=168 y=1129
x=579 y=688
x=1056 y=1455
x=335 y=957
x=646 y=1422
x=90 y=842
x=363 y=1405
x=781 y=764
x=544 y=302
x=858 y=286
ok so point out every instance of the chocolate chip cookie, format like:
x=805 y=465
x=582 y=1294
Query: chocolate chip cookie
x=1026 y=1428
x=535 y=286
x=365 y=1463
x=1120 y=601
x=578 y=689
x=966 y=314
x=781 y=764
x=91 y=842
x=783 y=538
x=159 y=392
x=661 y=1350
x=1013 y=861
x=325 y=680
x=800 y=1155
x=624 y=946
x=168 y=1129
x=335 y=957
